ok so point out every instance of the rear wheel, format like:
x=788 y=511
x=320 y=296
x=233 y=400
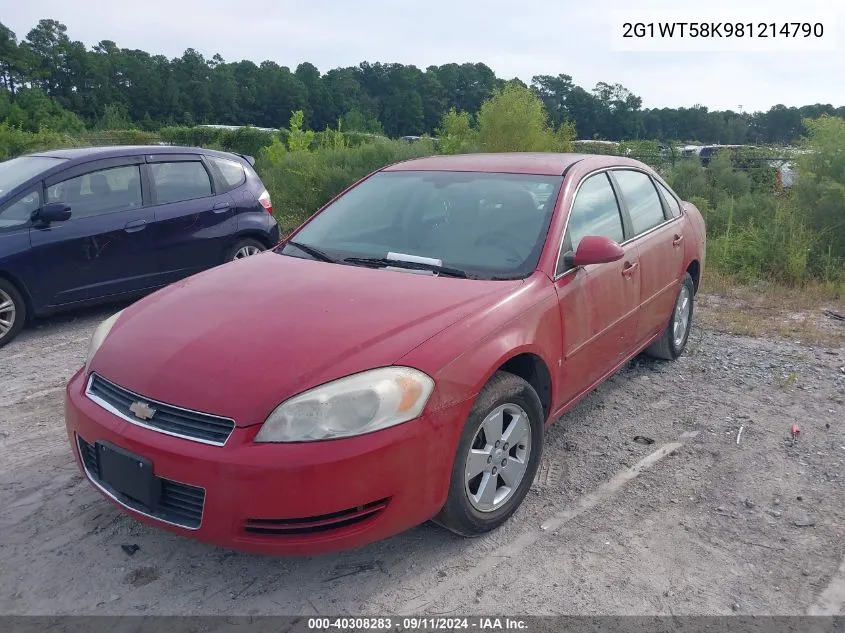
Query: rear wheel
x=674 y=338
x=244 y=247
x=12 y=312
x=497 y=457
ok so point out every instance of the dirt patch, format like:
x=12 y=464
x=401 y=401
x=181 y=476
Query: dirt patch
x=142 y=576
x=814 y=315
x=731 y=517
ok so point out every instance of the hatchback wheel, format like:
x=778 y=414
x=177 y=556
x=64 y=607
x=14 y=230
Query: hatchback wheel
x=674 y=339
x=12 y=312
x=497 y=457
x=246 y=247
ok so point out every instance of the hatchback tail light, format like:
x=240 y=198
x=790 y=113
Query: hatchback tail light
x=264 y=199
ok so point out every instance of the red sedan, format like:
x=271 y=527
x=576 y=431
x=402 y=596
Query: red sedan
x=395 y=360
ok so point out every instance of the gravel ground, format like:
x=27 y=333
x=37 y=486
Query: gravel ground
x=698 y=522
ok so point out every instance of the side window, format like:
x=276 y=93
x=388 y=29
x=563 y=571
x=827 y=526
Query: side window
x=17 y=213
x=594 y=212
x=174 y=182
x=672 y=201
x=231 y=172
x=641 y=198
x=99 y=192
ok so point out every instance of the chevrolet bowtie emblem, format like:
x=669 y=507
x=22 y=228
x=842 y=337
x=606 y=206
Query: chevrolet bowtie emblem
x=142 y=410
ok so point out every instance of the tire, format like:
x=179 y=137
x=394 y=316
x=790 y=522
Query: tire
x=244 y=247
x=463 y=513
x=671 y=345
x=12 y=312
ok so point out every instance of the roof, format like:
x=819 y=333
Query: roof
x=91 y=153
x=541 y=164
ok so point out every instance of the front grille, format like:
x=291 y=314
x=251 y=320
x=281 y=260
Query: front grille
x=180 y=504
x=169 y=419
x=315 y=524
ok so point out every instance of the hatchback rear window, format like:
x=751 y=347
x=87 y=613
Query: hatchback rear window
x=231 y=172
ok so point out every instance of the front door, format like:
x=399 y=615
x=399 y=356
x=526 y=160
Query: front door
x=659 y=239
x=104 y=249
x=598 y=303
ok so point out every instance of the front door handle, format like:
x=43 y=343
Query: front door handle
x=677 y=241
x=135 y=225
x=629 y=268
x=220 y=207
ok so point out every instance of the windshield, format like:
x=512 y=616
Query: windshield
x=17 y=171
x=489 y=225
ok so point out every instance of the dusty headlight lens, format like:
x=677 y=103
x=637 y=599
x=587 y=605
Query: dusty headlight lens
x=99 y=336
x=357 y=404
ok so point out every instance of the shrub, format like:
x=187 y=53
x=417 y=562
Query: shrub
x=514 y=119
x=33 y=111
x=689 y=179
x=123 y=137
x=244 y=140
x=820 y=186
x=777 y=247
x=456 y=133
x=115 y=117
x=301 y=182
x=15 y=141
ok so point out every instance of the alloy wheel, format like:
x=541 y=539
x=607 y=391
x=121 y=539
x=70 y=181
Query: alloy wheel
x=681 y=317
x=498 y=458
x=8 y=313
x=246 y=251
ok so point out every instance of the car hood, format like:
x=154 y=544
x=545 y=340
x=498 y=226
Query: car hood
x=239 y=339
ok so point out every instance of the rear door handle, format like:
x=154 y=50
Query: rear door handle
x=135 y=225
x=629 y=268
x=220 y=207
x=677 y=241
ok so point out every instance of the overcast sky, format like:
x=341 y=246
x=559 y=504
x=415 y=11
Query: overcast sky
x=516 y=39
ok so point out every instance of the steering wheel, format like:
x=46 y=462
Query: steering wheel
x=502 y=240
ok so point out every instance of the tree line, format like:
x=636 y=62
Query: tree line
x=50 y=81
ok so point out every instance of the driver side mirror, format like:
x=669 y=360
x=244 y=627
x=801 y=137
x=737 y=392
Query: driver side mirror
x=52 y=212
x=594 y=249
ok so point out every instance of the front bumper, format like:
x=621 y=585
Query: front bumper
x=288 y=499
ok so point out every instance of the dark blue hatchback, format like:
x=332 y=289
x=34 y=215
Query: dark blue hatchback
x=83 y=226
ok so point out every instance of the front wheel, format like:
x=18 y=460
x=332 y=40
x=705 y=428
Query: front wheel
x=674 y=339
x=497 y=457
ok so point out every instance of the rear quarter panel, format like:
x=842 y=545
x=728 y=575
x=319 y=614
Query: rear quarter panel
x=696 y=248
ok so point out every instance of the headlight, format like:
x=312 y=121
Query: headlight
x=99 y=336
x=361 y=403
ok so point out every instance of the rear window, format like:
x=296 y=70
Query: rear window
x=175 y=182
x=231 y=172
x=15 y=172
x=642 y=199
x=674 y=207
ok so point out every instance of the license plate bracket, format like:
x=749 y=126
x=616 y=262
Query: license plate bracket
x=129 y=474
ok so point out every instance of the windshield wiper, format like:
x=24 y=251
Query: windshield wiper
x=446 y=271
x=316 y=253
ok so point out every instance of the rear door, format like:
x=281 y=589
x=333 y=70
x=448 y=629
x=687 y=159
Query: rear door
x=194 y=221
x=659 y=237
x=598 y=303
x=104 y=248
